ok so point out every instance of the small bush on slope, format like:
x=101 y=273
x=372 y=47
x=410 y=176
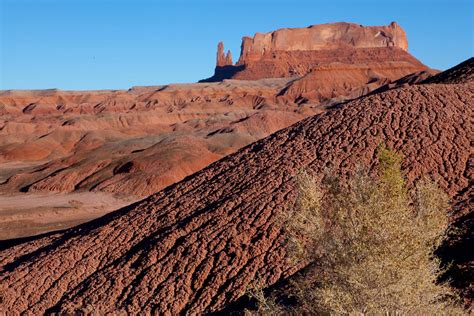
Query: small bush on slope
x=371 y=245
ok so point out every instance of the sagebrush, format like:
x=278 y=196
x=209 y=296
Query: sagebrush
x=370 y=243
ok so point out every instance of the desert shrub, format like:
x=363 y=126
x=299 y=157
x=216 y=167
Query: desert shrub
x=370 y=243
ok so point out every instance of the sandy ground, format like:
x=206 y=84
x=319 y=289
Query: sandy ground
x=30 y=214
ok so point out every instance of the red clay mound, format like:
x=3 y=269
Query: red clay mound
x=196 y=246
x=408 y=80
x=125 y=144
x=299 y=63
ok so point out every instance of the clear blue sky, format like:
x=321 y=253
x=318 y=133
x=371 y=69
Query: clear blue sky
x=102 y=44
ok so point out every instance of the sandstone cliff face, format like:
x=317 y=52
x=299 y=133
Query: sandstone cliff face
x=322 y=37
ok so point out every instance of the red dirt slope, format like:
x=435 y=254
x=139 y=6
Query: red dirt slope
x=196 y=246
x=122 y=144
x=299 y=63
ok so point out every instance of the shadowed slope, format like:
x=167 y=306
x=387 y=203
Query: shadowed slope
x=454 y=252
x=196 y=246
x=462 y=73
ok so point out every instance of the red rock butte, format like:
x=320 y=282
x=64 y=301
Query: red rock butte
x=296 y=51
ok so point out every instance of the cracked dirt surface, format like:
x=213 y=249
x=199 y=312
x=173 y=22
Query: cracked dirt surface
x=195 y=246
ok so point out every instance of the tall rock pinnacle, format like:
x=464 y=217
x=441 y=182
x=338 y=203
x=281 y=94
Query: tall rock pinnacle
x=223 y=59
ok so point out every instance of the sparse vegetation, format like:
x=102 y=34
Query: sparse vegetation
x=369 y=243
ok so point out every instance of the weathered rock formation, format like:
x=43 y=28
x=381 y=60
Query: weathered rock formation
x=127 y=144
x=134 y=143
x=297 y=51
x=196 y=246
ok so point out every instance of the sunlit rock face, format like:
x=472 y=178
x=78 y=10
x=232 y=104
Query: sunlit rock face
x=322 y=37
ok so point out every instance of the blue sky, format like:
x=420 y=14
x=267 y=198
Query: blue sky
x=104 y=44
